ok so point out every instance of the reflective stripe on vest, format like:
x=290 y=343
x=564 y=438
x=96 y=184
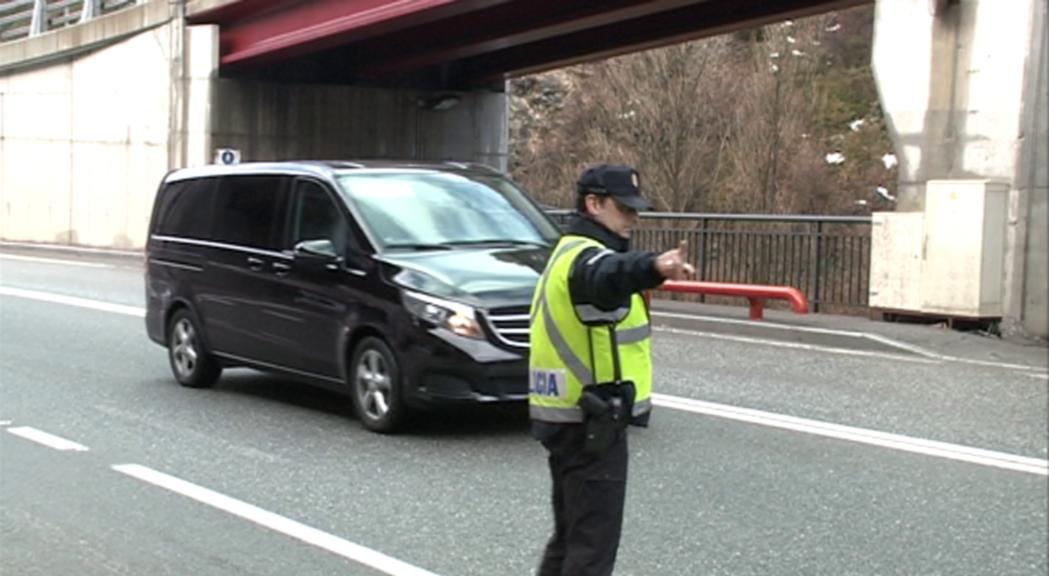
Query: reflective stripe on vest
x=560 y=357
x=591 y=314
x=540 y=291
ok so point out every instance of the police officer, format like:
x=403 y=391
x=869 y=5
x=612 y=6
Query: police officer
x=591 y=367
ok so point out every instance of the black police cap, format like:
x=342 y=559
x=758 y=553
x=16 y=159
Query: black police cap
x=621 y=182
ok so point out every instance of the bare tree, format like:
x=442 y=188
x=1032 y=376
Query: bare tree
x=737 y=123
x=661 y=110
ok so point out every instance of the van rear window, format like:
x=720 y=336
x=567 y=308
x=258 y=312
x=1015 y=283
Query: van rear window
x=185 y=209
x=249 y=210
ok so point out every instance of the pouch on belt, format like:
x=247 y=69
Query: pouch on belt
x=606 y=412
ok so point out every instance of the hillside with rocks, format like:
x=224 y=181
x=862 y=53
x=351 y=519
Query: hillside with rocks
x=780 y=119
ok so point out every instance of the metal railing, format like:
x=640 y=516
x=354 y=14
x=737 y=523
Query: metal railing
x=827 y=258
x=24 y=18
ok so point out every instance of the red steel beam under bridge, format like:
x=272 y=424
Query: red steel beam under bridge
x=476 y=40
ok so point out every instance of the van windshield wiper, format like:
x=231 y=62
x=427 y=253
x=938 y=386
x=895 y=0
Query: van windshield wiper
x=417 y=246
x=496 y=241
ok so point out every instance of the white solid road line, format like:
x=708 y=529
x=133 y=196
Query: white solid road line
x=861 y=435
x=54 y=261
x=276 y=522
x=73 y=301
x=49 y=440
x=928 y=447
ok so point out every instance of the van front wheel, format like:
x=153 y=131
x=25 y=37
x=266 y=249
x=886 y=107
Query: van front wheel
x=191 y=363
x=375 y=380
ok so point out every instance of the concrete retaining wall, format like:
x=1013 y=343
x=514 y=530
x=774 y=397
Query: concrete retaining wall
x=83 y=143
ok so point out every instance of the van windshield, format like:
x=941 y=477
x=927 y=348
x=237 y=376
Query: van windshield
x=439 y=210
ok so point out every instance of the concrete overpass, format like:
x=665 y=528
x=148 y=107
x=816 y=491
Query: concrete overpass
x=99 y=98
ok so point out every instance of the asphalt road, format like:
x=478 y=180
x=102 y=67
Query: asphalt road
x=263 y=475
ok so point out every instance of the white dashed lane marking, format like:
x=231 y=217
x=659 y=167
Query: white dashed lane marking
x=49 y=440
x=276 y=522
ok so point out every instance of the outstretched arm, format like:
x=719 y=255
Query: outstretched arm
x=607 y=279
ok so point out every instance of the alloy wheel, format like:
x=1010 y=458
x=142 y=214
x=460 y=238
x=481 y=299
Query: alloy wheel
x=373 y=384
x=184 y=351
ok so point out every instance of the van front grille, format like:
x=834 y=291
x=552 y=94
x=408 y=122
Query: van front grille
x=509 y=324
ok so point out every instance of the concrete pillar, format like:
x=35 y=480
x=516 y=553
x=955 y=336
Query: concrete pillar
x=963 y=88
x=202 y=64
x=1032 y=182
x=475 y=129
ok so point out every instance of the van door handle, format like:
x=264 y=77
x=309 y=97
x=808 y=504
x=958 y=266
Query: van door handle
x=281 y=268
x=254 y=263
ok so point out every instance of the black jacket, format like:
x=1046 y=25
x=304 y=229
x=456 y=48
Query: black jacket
x=607 y=282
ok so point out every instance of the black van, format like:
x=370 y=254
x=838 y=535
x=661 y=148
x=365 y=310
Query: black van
x=402 y=284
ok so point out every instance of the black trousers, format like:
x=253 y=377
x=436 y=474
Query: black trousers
x=588 y=496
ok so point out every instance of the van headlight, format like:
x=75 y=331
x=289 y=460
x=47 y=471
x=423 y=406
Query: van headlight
x=458 y=318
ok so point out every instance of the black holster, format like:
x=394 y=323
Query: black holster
x=606 y=412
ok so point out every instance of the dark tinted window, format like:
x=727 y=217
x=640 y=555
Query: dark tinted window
x=185 y=209
x=249 y=210
x=315 y=216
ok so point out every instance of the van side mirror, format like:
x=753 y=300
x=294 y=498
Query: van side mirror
x=322 y=249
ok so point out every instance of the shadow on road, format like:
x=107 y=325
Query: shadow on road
x=283 y=390
x=445 y=421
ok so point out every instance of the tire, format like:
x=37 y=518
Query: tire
x=191 y=363
x=375 y=383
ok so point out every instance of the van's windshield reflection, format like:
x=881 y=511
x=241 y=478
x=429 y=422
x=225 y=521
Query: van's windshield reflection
x=422 y=210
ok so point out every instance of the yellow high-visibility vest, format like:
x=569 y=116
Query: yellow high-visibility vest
x=567 y=354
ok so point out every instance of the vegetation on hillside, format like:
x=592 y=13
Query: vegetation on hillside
x=780 y=119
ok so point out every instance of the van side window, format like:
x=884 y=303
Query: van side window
x=185 y=209
x=248 y=210
x=315 y=216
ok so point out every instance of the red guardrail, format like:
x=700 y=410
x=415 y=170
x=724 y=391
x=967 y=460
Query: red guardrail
x=755 y=293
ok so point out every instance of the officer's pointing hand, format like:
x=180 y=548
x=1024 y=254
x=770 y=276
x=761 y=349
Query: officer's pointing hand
x=673 y=264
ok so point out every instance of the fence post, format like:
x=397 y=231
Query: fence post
x=89 y=11
x=38 y=24
x=702 y=275
x=819 y=264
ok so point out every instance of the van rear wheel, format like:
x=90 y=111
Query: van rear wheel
x=191 y=363
x=376 y=383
